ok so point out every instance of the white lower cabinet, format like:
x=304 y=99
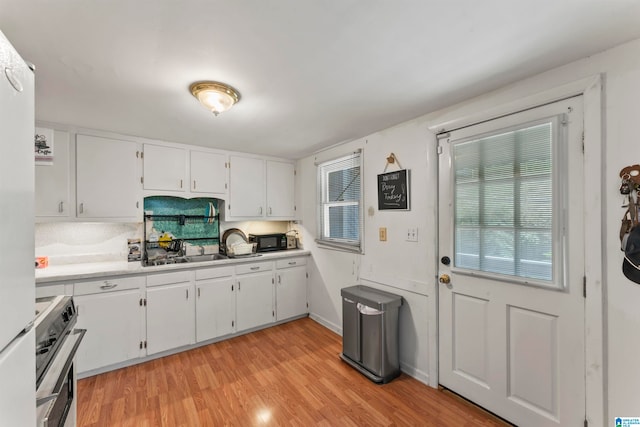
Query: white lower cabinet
x=215 y=303
x=112 y=312
x=180 y=308
x=170 y=311
x=291 y=288
x=254 y=297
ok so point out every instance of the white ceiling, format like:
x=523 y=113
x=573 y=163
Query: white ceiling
x=311 y=72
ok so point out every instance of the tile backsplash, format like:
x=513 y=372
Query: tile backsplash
x=202 y=220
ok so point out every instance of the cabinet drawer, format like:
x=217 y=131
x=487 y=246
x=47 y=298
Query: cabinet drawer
x=291 y=262
x=168 y=278
x=49 y=290
x=214 y=273
x=254 y=267
x=108 y=285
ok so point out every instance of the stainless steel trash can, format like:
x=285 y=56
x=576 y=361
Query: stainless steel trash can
x=370 y=332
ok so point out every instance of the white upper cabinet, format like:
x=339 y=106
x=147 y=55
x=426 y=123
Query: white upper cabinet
x=165 y=168
x=260 y=189
x=246 y=187
x=280 y=189
x=108 y=179
x=182 y=172
x=53 y=182
x=208 y=172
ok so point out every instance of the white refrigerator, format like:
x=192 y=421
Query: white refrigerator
x=17 y=282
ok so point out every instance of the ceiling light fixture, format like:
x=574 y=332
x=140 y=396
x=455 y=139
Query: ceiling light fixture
x=215 y=96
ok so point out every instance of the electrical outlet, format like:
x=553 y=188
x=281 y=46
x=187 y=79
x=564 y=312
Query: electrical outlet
x=412 y=235
x=383 y=234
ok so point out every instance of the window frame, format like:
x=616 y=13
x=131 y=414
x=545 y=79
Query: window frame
x=323 y=207
x=559 y=205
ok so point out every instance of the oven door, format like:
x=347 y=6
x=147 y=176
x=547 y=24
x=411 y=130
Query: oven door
x=56 y=393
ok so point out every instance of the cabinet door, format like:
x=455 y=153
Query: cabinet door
x=254 y=300
x=170 y=317
x=215 y=308
x=165 y=168
x=291 y=292
x=114 y=323
x=280 y=189
x=108 y=178
x=208 y=172
x=246 y=187
x=52 y=181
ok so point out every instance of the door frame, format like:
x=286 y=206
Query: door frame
x=477 y=111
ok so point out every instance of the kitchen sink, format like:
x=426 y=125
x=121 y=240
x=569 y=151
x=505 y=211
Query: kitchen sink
x=185 y=259
x=198 y=258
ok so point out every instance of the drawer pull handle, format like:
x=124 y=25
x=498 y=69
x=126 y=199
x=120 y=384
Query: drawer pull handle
x=254 y=268
x=108 y=285
x=292 y=263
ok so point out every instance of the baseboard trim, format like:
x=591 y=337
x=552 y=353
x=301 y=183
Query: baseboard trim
x=324 y=322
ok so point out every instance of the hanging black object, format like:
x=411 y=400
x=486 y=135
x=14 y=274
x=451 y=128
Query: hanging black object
x=631 y=263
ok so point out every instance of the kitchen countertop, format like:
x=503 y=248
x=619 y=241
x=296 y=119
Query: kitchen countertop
x=73 y=272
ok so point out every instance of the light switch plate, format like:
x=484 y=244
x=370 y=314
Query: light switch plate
x=383 y=234
x=412 y=235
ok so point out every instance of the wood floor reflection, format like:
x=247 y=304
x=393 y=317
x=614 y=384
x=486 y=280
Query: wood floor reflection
x=288 y=375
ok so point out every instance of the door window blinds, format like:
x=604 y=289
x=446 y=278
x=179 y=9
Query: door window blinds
x=340 y=202
x=504 y=202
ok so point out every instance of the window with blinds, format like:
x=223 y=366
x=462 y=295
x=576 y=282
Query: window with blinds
x=504 y=211
x=340 y=204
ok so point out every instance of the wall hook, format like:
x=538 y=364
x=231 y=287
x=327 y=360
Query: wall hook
x=391 y=160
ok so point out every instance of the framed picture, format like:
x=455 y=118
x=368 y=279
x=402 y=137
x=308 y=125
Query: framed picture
x=394 y=190
x=43 y=146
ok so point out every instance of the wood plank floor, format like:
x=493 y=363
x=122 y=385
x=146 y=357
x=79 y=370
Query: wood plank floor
x=288 y=375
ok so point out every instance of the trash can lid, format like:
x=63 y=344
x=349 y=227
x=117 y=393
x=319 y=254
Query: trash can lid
x=372 y=297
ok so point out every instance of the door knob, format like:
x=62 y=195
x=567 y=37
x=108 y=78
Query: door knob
x=444 y=278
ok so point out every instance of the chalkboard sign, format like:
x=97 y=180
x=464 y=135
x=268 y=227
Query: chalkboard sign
x=393 y=190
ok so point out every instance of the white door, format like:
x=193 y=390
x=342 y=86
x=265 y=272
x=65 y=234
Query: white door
x=171 y=321
x=114 y=328
x=108 y=178
x=208 y=172
x=511 y=317
x=291 y=292
x=280 y=191
x=254 y=300
x=53 y=183
x=215 y=308
x=165 y=168
x=246 y=187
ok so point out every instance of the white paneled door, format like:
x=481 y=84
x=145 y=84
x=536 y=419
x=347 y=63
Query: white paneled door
x=511 y=304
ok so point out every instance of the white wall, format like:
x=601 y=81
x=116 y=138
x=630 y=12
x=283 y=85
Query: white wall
x=401 y=267
x=413 y=265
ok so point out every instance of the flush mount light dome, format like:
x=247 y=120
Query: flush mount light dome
x=216 y=97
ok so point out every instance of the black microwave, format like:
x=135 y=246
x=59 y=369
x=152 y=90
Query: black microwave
x=269 y=242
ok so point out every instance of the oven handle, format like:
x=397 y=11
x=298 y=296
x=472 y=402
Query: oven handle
x=77 y=335
x=69 y=358
x=44 y=400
